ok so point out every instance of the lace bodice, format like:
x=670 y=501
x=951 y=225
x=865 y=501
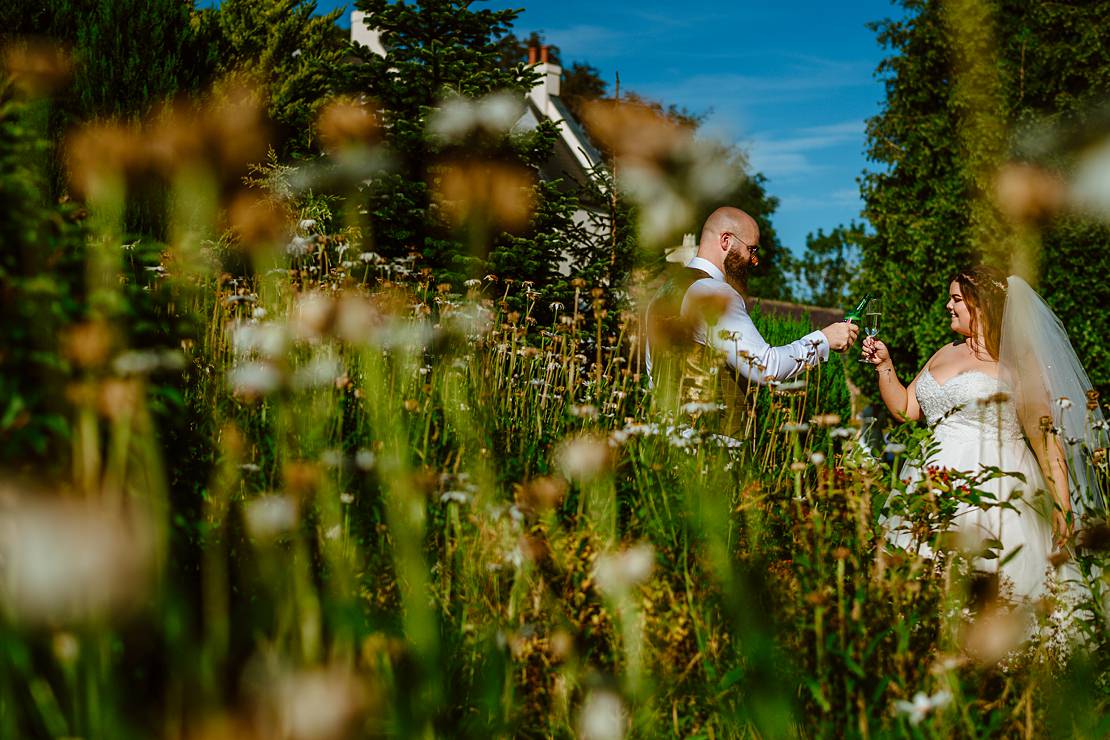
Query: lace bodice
x=970 y=401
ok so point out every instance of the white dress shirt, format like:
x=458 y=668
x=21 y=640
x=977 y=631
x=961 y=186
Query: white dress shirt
x=742 y=345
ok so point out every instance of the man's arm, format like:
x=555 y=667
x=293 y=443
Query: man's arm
x=734 y=335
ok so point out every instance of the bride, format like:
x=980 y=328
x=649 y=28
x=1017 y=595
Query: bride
x=1009 y=394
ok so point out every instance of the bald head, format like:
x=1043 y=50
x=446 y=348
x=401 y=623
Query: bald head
x=725 y=220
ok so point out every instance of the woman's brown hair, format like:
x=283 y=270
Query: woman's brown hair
x=984 y=290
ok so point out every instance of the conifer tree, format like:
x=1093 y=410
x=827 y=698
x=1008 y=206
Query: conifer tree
x=438 y=49
x=128 y=56
x=293 y=56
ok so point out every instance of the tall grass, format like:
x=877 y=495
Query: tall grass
x=457 y=522
x=404 y=509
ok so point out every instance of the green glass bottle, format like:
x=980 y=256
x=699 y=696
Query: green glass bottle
x=856 y=313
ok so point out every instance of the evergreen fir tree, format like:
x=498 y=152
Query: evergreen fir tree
x=293 y=56
x=437 y=49
x=128 y=54
x=128 y=57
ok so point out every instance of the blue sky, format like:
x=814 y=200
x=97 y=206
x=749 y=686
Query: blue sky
x=789 y=81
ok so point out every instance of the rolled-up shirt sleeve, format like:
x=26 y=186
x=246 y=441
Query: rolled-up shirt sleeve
x=735 y=336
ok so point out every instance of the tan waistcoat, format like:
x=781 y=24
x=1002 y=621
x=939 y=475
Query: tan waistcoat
x=685 y=371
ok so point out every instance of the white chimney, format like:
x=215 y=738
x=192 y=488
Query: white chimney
x=548 y=84
x=364 y=35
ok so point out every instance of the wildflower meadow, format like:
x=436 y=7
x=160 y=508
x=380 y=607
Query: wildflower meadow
x=302 y=442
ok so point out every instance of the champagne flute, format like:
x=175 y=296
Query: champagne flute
x=872 y=313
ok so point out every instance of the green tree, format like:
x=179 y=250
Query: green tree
x=293 y=56
x=436 y=50
x=128 y=54
x=581 y=83
x=825 y=271
x=513 y=49
x=128 y=57
x=916 y=201
x=956 y=90
x=41 y=288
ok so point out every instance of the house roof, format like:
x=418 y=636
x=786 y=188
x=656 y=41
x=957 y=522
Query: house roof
x=577 y=133
x=564 y=163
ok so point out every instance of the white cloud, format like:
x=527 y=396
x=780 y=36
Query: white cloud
x=590 y=42
x=834 y=200
x=786 y=155
x=808 y=78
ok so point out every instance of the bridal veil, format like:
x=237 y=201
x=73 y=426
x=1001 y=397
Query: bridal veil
x=1037 y=361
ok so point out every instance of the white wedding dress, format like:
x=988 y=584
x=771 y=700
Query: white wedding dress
x=972 y=428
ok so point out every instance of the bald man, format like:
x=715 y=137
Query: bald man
x=713 y=314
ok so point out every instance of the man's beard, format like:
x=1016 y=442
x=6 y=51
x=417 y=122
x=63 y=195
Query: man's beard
x=737 y=269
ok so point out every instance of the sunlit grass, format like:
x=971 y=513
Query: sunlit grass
x=440 y=509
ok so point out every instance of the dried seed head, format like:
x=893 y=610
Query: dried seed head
x=562 y=645
x=99 y=154
x=301 y=477
x=634 y=132
x=459 y=118
x=37 y=67
x=499 y=193
x=1058 y=558
x=1095 y=537
x=312 y=315
x=268 y=517
x=325 y=703
x=88 y=344
x=236 y=130
x=1028 y=193
x=616 y=573
x=356 y=318
x=602 y=717
x=533 y=549
x=541 y=494
x=221 y=139
x=257 y=220
x=345 y=122
x=994 y=633
x=119 y=399
x=251 y=381
x=72 y=561
x=709 y=307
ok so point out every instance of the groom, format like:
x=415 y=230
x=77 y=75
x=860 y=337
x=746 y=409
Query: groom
x=707 y=348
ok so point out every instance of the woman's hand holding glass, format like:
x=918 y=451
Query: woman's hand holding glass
x=875 y=352
x=869 y=323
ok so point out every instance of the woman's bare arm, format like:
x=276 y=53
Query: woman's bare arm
x=899 y=399
x=1051 y=459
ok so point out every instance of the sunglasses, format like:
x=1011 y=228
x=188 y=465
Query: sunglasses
x=752 y=248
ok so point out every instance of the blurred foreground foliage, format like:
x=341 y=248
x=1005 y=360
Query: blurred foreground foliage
x=302 y=462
